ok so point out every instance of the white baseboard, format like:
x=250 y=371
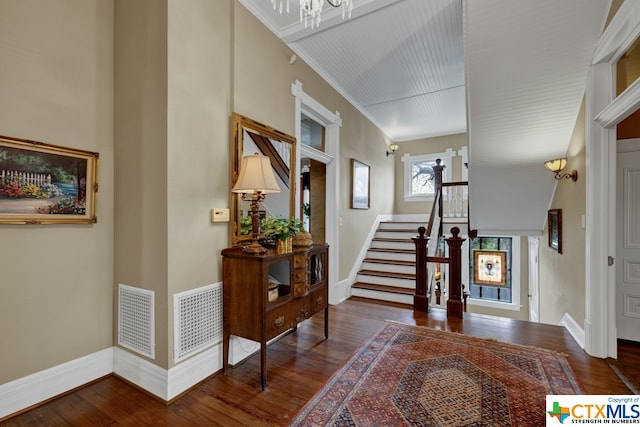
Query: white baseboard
x=343 y=290
x=167 y=384
x=35 y=388
x=193 y=370
x=574 y=329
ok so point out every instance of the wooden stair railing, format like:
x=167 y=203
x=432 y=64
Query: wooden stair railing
x=428 y=247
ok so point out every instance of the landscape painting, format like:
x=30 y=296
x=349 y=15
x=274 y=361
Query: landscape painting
x=45 y=184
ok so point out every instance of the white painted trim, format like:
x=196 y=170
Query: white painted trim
x=191 y=371
x=30 y=390
x=627 y=103
x=600 y=310
x=447 y=161
x=493 y=304
x=315 y=154
x=598 y=305
x=365 y=247
x=574 y=329
x=343 y=290
x=332 y=123
x=620 y=34
x=533 y=245
x=167 y=384
x=141 y=372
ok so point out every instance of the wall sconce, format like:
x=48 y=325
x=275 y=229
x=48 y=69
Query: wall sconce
x=392 y=149
x=257 y=179
x=557 y=165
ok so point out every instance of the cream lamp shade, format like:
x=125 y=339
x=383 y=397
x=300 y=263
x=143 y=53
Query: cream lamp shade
x=256 y=175
x=556 y=165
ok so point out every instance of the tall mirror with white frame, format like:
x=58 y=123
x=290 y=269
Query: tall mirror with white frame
x=249 y=137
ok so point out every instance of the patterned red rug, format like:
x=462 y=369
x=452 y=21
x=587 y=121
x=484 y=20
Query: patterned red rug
x=409 y=375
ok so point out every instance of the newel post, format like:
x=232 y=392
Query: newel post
x=437 y=187
x=421 y=299
x=455 y=305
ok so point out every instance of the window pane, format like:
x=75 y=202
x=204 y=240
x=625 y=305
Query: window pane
x=422 y=179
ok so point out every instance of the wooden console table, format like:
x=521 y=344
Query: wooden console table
x=250 y=312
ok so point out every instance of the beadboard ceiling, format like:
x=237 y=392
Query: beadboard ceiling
x=510 y=73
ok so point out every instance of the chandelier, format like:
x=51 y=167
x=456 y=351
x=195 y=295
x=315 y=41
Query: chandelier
x=311 y=10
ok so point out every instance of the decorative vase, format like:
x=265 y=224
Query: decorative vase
x=302 y=239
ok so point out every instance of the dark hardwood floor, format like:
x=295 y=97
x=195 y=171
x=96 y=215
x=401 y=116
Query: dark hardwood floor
x=299 y=364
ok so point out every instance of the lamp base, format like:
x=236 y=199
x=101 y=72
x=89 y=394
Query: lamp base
x=254 y=248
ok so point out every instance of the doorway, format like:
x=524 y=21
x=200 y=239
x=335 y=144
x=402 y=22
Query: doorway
x=306 y=106
x=313 y=200
x=627 y=260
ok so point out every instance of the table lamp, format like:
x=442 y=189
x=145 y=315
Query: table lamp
x=255 y=180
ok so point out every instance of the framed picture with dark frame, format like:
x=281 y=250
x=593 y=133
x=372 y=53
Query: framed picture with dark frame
x=42 y=183
x=360 y=185
x=554 y=219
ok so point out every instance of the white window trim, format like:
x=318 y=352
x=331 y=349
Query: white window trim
x=408 y=160
x=514 y=305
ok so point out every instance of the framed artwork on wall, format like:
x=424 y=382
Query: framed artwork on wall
x=554 y=220
x=360 y=185
x=46 y=184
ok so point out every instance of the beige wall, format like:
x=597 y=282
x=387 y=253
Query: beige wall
x=150 y=85
x=562 y=276
x=141 y=154
x=198 y=144
x=56 y=281
x=259 y=56
x=424 y=146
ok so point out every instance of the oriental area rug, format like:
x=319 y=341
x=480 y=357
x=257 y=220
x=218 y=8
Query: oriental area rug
x=418 y=376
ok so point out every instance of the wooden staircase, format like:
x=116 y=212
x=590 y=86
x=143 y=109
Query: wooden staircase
x=388 y=272
x=404 y=259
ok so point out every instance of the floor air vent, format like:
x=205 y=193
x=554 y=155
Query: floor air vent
x=198 y=320
x=136 y=320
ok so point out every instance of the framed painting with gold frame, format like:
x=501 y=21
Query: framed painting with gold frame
x=42 y=183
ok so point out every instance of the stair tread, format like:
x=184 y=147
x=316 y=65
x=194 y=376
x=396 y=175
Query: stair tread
x=392 y=250
x=383 y=288
x=391 y=239
x=403 y=222
x=391 y=274
x=389 y=261
x=397 y=230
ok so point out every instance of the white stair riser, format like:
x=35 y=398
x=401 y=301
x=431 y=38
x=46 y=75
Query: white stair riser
x=387 y=281
x=393 y=268
x=391 y=256
x=394 y=245
x=382 y=296
x=400 y=225
x=396 y=235
x=446 y=228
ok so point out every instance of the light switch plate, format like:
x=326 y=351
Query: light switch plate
x=219 y=215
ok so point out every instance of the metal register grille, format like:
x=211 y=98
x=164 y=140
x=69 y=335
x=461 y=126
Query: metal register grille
x=136 y=320
x=198 y=320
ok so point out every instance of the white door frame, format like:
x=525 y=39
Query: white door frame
x=604 y=111
x=534 y=280
x=332 y=123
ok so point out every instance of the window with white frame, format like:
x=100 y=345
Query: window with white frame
x=419 y=179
